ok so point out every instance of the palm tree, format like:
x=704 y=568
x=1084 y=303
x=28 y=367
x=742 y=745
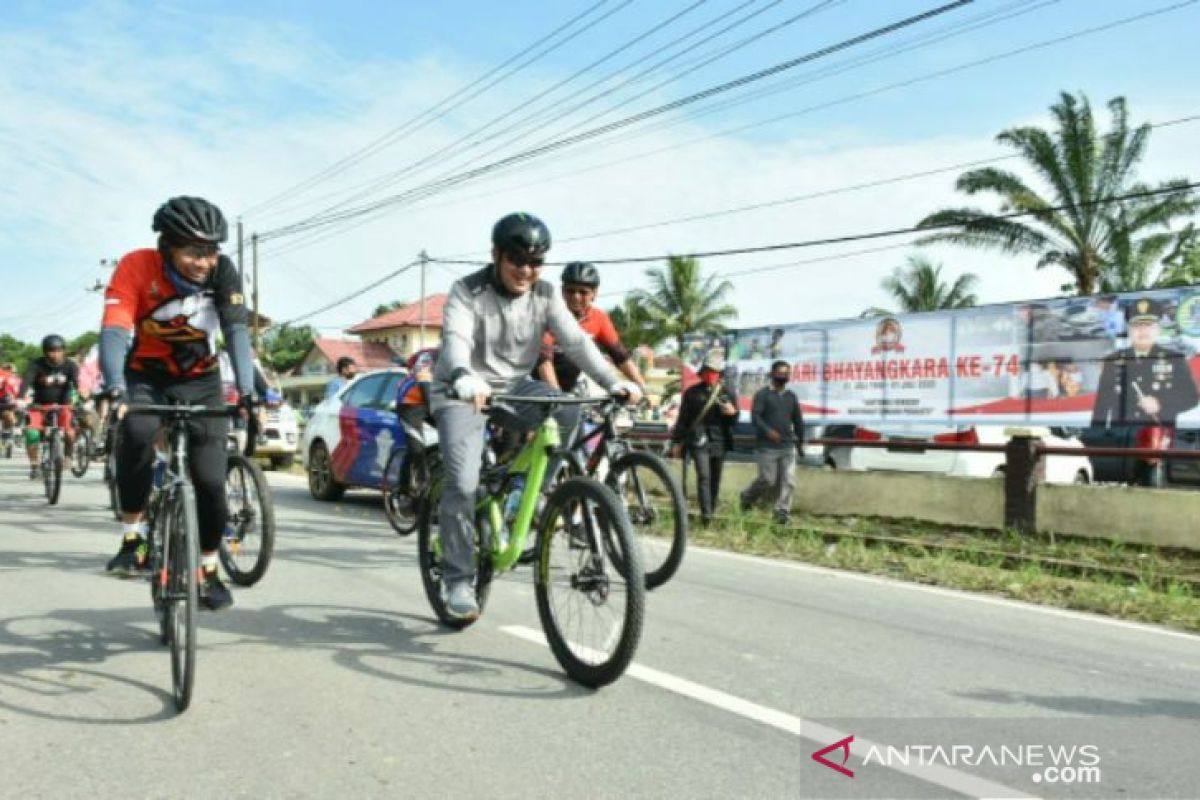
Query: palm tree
x=681 y=300
x=1081 y=168
x=634 y=324
x=919 y=287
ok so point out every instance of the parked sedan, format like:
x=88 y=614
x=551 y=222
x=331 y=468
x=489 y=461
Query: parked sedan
x=349 y=436
x=909 y=456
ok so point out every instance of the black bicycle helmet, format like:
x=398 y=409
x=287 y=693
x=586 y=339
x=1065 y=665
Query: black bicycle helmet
x=523 y=234
x=191 y=219
x=53 y=342
x=581 y=273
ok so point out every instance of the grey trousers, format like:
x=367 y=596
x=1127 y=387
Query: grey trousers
x=776 y=475
x=460 y=439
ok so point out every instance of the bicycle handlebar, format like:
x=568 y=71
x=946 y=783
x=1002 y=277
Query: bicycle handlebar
x=564 y=400
x=181 y=411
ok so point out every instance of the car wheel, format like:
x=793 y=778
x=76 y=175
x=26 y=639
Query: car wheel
x=1082 y=478
x=321 y=483
x=282 y=462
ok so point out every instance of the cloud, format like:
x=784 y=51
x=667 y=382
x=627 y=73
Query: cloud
x=110 y=110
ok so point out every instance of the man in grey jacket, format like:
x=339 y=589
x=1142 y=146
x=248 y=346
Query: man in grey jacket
x=493 y=324
x=779 y=433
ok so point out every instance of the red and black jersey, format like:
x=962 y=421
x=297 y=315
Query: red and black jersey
x=174 y=335
x=597 y=324
x=51 y=384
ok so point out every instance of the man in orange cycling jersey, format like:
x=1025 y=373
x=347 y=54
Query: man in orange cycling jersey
x=580 y=281
x=172 y=301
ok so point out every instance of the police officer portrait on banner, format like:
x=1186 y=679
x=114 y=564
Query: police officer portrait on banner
x=1144 y=383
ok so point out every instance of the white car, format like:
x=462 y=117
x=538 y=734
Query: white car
x=277 y=440
x=964 y=463
x=349 y=437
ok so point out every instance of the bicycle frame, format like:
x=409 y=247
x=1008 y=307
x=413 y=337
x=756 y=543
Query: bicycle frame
x=532 y=461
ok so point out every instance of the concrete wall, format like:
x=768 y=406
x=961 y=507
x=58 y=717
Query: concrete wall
x=1162 y=517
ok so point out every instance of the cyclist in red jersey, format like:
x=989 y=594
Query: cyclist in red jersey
x=580 y=281
x=164 y=308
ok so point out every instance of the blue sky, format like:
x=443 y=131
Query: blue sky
x=107 y=108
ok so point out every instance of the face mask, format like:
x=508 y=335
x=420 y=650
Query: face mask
x=779 y=380
x=710 y=378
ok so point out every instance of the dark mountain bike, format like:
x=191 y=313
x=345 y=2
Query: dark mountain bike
x=174 y=542
x=52 y=455
x=249 y=539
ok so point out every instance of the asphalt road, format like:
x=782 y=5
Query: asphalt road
x=331 y=679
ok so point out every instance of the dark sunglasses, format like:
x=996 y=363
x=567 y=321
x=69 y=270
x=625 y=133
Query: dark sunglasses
x=521 y=259
x=200 y=250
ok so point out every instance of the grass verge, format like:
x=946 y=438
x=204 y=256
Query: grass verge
x=1125 y=581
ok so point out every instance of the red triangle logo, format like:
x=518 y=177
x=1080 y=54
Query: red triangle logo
x=844 y=746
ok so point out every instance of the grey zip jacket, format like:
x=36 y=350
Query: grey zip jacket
x=497 y=336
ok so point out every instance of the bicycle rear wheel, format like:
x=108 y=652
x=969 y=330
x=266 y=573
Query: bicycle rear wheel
x=182 y=596
x=402 y=489
x=591 y=610
x=249 y=540
x=655 y=506
x=81 y=456
x=429 y=559
x=52 y=468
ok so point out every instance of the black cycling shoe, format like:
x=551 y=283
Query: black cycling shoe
x=35 y=473
x=214 y=594
x=131 y=558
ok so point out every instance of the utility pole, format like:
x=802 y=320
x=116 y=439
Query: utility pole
x=424 y=257
x=241 y=262
x=254 y=257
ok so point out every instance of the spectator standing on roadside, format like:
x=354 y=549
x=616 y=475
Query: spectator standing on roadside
x=779 y=434
x=346 y=370
x=704 y=430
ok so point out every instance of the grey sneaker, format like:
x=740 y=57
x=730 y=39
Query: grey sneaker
x=460 y=601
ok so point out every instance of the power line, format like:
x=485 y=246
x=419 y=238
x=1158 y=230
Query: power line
x=631 y=120
x=887 y=233
x=531 y=126
x=353 y=295
x=408 y=126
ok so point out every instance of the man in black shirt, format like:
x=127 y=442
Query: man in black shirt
x=779 y=430
x=49 y=381
x=704 y=430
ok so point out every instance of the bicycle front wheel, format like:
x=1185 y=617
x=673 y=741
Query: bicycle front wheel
x=591 y=609
x=81 y=456
x=655 y=506
x=402 y=489
x=52 y=469
x=182 y=597
x=249 y=539
x=429 y=559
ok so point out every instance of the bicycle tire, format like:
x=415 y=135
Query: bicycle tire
x=429 y=560
x=658 y=565
x=403 y=521
x=52 y=470
x=184 y=597
x=248 y=522
x=81 y=456
x=589 y=578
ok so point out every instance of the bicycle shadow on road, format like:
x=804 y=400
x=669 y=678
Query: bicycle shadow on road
x=393 y=646
x=43 y=657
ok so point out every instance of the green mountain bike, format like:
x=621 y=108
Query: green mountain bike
x=588 y=578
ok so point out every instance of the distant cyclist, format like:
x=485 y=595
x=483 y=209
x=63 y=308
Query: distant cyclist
x=10 y=390
x=163 y=310
x=49 y=380
x=492 y=331
x=580 y=282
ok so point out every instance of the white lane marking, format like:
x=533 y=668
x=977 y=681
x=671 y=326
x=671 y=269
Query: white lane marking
x=815 y=732
x=948 y=592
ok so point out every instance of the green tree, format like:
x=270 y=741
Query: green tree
x=1079 y=169
x=682 y=300
x=82 y=343
x=384 y=308
x=918 y=286
x=16 y=352
x=285 y=347
x=1157 y=261
x=635 y=325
